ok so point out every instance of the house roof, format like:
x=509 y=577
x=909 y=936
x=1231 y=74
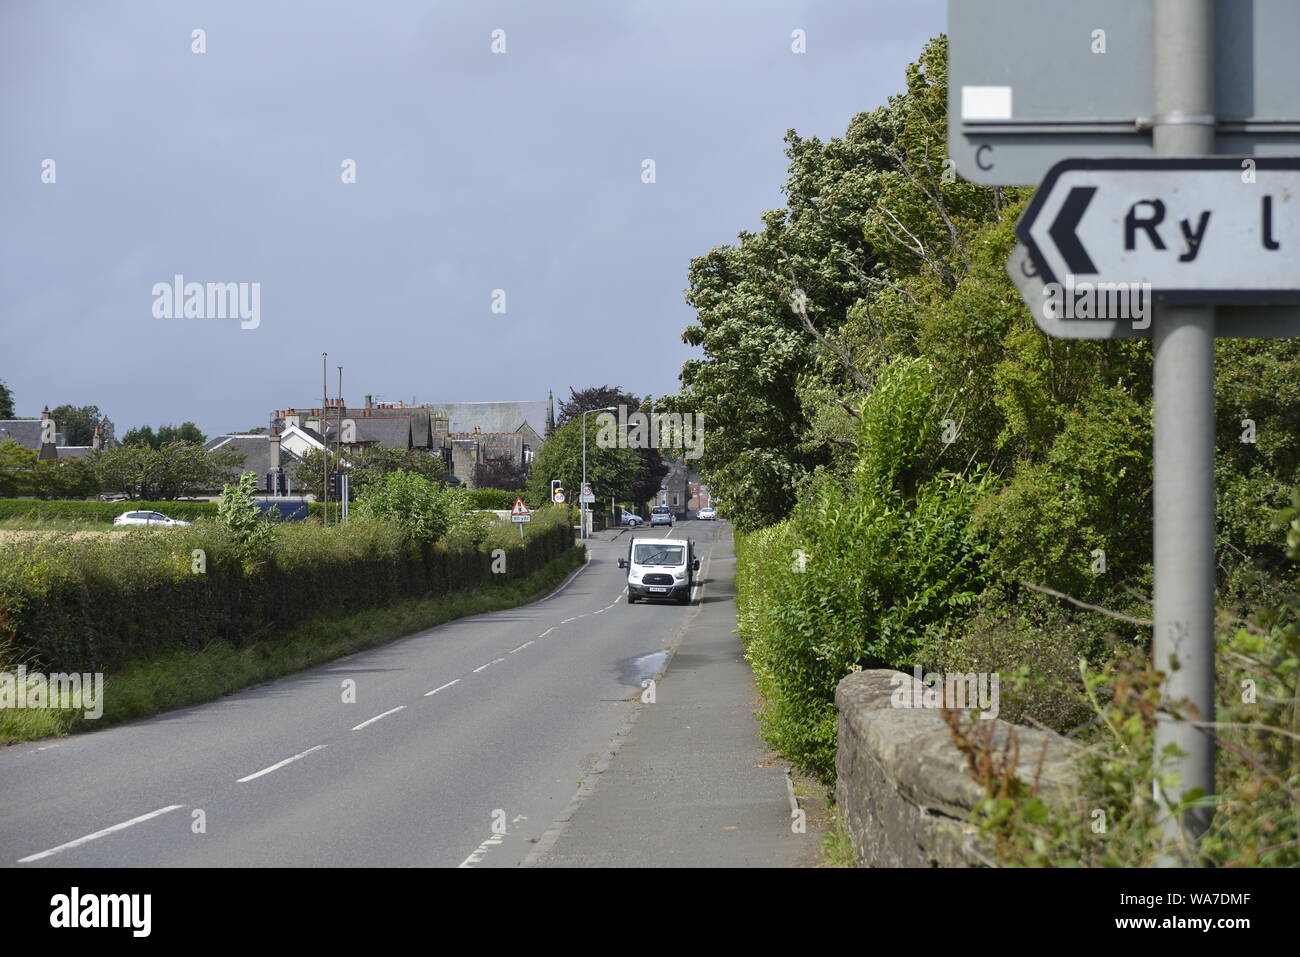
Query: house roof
x=256 y=450
x=389 y=432
x=26 y=432
x=494 y=416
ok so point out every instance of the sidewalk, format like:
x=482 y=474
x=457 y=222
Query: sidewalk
x=692 y=784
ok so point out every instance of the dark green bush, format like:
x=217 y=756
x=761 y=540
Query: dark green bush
x=72 y=602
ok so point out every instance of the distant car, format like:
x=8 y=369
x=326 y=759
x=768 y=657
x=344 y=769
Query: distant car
x=627 y=518
x=706 y=514
x=661 y=515
x=146 y=518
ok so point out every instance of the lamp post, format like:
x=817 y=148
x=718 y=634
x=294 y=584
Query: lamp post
x=608 y=408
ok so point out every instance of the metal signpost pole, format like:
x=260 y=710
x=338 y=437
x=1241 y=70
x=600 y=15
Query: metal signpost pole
x=1183 y=337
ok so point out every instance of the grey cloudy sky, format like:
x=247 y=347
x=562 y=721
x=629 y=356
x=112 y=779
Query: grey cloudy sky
x=475 y=172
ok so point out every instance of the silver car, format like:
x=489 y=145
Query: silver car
x=146 y=518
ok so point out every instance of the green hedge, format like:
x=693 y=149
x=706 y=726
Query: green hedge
x=498 y=499
x=69 y=602
x=91 y=511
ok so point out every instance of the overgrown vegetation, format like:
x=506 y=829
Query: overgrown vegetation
x=97 y=603
x=910 y=462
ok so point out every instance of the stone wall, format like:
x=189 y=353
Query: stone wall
x=903 y=787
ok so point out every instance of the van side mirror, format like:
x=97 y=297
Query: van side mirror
x=622 y=563
x=695 y=565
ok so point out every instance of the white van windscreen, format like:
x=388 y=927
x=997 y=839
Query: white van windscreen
x=659 y=555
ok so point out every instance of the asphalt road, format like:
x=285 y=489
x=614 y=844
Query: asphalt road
x=494 y=718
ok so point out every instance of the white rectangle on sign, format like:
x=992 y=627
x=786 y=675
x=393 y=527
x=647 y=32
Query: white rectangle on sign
x=521 y=516
x=986 y=102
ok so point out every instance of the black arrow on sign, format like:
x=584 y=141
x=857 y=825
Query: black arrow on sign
x=1063 y=230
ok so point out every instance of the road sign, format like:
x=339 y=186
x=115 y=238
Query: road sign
x=586 y=495
x=557 y=496
x=1238 y=322
x=1211 y=230
x=521 y=512
x=1033 y=82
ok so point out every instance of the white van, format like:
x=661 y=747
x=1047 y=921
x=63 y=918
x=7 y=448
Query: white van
x=660 y=568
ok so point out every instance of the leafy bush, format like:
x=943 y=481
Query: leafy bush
x=72 y=602
x=424 y=511
x=251 y=530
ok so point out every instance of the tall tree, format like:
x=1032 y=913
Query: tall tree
x=611 y=471
x=595 y=397
x=77 y=423
x=6 y=401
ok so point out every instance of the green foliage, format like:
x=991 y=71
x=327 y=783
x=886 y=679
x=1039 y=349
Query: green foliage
x=6 y=401
x=497 y=499
x=175 y=470
x=77 y=423
x=166 y=434
x=425 y=512
x=611 y=472
x=252 y=532
x=77 y=602
x=931 y=453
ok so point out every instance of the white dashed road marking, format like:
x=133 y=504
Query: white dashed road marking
x=440 y=687
x=521 y=647
x=98 y=834
x=378 y=716
x=279 y=764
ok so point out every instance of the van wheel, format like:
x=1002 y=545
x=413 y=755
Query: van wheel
x=630 y=599
x=684 y=598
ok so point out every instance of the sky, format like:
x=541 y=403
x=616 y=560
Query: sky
x=499 y=239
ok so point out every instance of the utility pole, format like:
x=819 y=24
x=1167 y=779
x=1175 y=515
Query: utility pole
x=338 y=444
x=325 y=451
x=1183 y=339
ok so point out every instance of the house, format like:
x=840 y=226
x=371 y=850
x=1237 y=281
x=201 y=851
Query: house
x=388 y=426
x=681 y=489
x=29 y=434
x=262 y=455
x=510 y=432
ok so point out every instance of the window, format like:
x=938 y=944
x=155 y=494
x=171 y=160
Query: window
x=659 y=555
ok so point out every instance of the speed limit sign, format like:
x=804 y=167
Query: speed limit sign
x=558 y=496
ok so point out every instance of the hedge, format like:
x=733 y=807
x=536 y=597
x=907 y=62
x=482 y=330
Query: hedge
x=70 y=602
x=498 y=500
x=92 y=511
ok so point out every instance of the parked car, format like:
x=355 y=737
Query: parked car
x=661 y=515
x=146 y=518
x=660 y=568
x=627 y=518
x=706 y=514
x=286 y=509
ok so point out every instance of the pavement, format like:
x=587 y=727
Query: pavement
x=511 y=736
x=691 y=783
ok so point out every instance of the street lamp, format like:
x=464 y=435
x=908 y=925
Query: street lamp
x=608 y=408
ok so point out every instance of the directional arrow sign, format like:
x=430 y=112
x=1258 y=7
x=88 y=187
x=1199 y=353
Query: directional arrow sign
x=1213 y=230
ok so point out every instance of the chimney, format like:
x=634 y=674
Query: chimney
x=370 y=402
x=275 y=451
x=94 y=442
x=47 y=448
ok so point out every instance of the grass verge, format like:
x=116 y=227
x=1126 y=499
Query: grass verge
x=187 y=678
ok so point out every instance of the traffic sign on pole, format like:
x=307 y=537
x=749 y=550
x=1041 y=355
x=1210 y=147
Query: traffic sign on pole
x=1035 y=86
x=586 y=494
x=521 y=512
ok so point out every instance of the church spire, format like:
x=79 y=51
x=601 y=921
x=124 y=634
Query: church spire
x=550 y=414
